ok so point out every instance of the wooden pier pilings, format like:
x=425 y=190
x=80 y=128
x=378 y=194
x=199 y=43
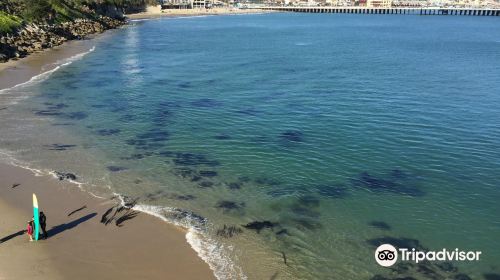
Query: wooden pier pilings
x=390 y=10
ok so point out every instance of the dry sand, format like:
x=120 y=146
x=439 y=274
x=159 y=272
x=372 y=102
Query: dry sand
x=156 y=11
x=79 y=245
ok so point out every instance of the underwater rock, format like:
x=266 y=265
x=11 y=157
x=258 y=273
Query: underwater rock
x=397 y=242
x=187 y=216
x=267 y=181
x=260 y=225
x=461 y=276
x=222 y=137
x=57 y=106
x=134 y=157
x=304 y=211
x=206 y=184
x=309 y=201
x=62 y=176
x=113 y=168
x=429 y=273
x=207 y=173
x=108 y=132
x=282 y=232
x=191 y=159
x=229 y=231
x=196 y=178
x=47 y=113
x=491 y=276
x=398 y=174
x=447 y=266
x=205 y=103
x=244 y=179
x=292 y=136
x=60 y=147
x=309 y=224
x=76 y=115
x=227 y=205
x=234 y=186
x=375 y=184
x=184 y=172
x=154 y=136
x=380 y=225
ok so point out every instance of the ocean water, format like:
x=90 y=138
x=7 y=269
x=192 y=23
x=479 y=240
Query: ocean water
x=335 y=133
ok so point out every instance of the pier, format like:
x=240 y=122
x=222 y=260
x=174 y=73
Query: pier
x=389 y=10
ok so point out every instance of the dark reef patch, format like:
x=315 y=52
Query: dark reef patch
x=267 y=181
x=306 y=223
x=244 y=179
x=191 y=159
x=76 y=115
x=59 y=147
x=229 y=231
x=379 y=185
x=108 y=132
x=398 y=174
x=222 y=137
x=62 y=176
x=206 y=184
x=234 y=186
x=114 y=168
x=380 y=225
x=205 y=103
x=207 y=173
x=401 y=242
x=292 y=136
x=134 y=157
x=47 y=113
x=260 y=225
x=491 y=276
x=227 y=205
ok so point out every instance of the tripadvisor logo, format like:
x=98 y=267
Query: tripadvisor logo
x=387 y=255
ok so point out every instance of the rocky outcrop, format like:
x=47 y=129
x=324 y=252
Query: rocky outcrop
x=36 y=37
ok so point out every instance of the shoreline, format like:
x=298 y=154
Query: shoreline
x=187 y=264
x=156 y=12
x=79 y=242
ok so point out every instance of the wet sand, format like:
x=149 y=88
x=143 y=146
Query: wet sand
x=14 y=72
x=79 y=245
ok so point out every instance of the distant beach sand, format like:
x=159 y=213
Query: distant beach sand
x=156 y=11
x=79 y=245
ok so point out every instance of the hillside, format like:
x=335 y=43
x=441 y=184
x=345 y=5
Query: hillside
x=27 y=26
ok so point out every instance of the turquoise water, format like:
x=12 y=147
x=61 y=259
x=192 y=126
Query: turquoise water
x=341 y=130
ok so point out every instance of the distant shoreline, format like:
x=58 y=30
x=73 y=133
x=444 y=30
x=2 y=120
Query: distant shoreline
x=156 y=12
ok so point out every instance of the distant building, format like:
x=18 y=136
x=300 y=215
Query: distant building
x=378 y=3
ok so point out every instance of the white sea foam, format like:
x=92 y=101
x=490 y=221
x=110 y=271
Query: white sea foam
x=209 y=250
x=44 y=75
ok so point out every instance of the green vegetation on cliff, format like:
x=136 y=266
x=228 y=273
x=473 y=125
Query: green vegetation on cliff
x=8 y=23
x=15 y=13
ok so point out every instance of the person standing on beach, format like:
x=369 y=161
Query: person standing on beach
x=43 y=224
x=30 y=230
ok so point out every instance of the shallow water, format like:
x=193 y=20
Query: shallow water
x=337 y=129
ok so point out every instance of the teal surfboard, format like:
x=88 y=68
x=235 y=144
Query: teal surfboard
x=36 y=216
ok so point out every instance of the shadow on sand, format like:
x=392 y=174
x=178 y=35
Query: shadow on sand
x=67 y=226
x=9 y=237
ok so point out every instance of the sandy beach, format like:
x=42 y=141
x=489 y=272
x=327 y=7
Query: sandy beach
x=80 y=245
x=156 y=11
